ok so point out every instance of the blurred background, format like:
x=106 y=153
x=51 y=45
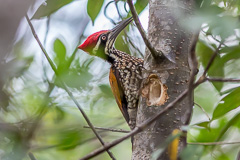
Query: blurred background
x=37 y=115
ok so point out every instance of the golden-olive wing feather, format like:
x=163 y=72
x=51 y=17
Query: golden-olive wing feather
x=118 y=92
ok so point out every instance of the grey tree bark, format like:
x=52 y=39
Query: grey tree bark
x=166 y=32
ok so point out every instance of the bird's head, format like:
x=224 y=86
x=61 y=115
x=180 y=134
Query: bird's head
x=99 y=43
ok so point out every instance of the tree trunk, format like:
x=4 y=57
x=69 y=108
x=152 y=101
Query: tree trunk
x=167 y=33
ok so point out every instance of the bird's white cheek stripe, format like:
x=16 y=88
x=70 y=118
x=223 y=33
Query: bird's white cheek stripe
x=96 y=47
x=109 y=45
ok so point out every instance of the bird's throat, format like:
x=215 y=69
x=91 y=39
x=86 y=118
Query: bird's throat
x=111 y=55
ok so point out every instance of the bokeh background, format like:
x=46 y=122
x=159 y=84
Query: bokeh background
x=37 y=115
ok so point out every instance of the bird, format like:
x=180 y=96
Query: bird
x=125 y=72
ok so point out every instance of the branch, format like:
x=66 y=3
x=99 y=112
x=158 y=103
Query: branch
x=120 y=16
x=153 y=51
x=47 y=30
x=125 y=33
x=143 y=125
x=31 y=156
x=193 y=63
x=133 y=45
x=208 y=33
x=222 y=79
x=212 y=59
x=40 y=148
x=109 y=129
x=202 y=110
x=203 y=77
x=213 y=143
x=105 y=12
x=7 y=127
x=65 y=87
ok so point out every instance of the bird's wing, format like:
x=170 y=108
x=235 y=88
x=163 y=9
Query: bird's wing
x=118 y=93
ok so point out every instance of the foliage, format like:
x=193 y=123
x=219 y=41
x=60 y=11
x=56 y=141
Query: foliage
x=220 y=26
x=93 y=8
x=49 y=7
x=41 y=118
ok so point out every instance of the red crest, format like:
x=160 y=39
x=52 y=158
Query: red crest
x=91 y=41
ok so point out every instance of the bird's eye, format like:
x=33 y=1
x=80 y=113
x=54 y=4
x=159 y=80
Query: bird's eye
x=104 y=38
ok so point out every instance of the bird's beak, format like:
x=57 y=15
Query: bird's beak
x=116 y=30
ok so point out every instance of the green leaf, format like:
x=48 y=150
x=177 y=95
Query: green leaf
x=198 y=3
x=121 y=44
x=227 y=91
x=206 y=3
x=232 y=53
x=230 y=123
x=76 y=78
x=205 y=124
x=212 y=134
x=210 y=10
x=77 y=75
x=106 y=90
x=60 y=114
x=48 y=7
x=60 y=50
x=223 y=156
x=140 y=5
x=228 y=103
x=224 y=26
x=93 y=8
x=193 y=152
x=204 y=52
x=60 y=59
x=70 y=138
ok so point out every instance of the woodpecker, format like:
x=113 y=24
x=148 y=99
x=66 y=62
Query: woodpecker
x=125 y=71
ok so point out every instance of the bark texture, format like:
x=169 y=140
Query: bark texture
x=166 y=32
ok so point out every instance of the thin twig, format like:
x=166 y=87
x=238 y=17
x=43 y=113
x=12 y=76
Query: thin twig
x=203 y=110
x=125 y=7
x=212 y=59
x=81 y=142
x=65 y=87
x=153 y=51
x=105 y=12
x=133 y=45
x=125 y=33
x=213 y=143
x=193 y=63
x=47 y=30
x=31 y=156
x=222 y=79
x=109 y=129
x=40 y=148
x=119 y=14
x=210 y=62
x=143 y=125
x=44 y=43
x=203 y=77
x=208 y=33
